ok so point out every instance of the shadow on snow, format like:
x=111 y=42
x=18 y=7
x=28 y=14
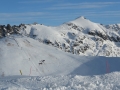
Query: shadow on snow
x=98 y=66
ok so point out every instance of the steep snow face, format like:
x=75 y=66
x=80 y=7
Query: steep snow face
x=43 y=32
x=87 y=24
x=80 y=37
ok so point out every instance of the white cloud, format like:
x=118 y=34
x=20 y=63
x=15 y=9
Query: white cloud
x=24 y=14
x=58 y=16
x=92 y=14
x=105 y=14
x=84 y=5
x=36 y=1
x=16 y=18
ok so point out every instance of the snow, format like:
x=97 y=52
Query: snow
x=27 y=54
x=87 y=24
x=62 y=82
x=39 y=58
x=43 y=32
x=60 y=71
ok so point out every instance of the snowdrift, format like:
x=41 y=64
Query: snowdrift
x=100 y=82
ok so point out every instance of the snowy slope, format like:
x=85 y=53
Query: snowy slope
x=59 y=71
x=25 y=55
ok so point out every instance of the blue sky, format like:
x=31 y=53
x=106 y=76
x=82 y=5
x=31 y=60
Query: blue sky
x=56 y=12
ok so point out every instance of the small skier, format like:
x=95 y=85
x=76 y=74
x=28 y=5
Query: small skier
x=41 y=62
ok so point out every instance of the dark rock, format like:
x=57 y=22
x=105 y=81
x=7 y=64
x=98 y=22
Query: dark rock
x=9 y=28
x=47 y=41
x=114 y=39
x=118 y=38
x=92 y=33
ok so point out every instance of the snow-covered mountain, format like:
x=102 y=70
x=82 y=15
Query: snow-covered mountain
x=80 y=36
x=35 y=44
x=59 y=56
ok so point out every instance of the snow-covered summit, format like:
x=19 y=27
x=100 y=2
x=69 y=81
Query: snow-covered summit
x=81 y=17
x=80 y=36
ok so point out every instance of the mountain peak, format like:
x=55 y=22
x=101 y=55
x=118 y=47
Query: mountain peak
x=81 y=17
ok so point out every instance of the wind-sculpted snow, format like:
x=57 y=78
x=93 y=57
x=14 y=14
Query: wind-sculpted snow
x=70 y=82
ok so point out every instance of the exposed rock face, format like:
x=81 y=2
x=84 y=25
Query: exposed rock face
x=7 y=30
x=105 y=37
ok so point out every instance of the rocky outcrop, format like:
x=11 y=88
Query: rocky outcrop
x=8 y=29
x=104 y=37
